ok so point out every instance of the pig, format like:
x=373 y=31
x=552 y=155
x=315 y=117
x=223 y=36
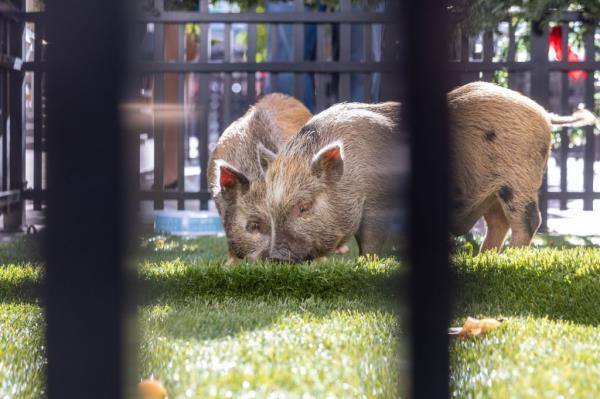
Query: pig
x=235 y=177
x=500 y=143
x=333 y=180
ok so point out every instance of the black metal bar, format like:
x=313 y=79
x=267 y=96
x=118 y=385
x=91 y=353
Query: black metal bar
x=147 y=195
x=205 y=195
x=181 y=123
x=227 y=81
x=320 y=82
x=251 y=57
x=488 y=53
x=368 y=57
x=430 y=277
x=564 y=105
x=589 y=157
x=86 y=236
x=158 y=96
x=172 y=195
x=204 y=107
x=512 y=43
x=274 y=54
x=10 y=198
x=572 y=195
x=539 y=92
x=298 y=51
x=5 y=114
x=299 y=16
x=37 y=117
x=512 y=53
x=293 y=67
x=345 y=43
x=523 y=66
x=14 y=217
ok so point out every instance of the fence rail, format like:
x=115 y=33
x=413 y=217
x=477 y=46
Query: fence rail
x=333 y=74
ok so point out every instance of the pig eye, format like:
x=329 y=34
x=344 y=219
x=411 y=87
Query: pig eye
x=253 y=227
x=304 y=207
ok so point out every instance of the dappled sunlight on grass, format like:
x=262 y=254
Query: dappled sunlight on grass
x=550 y=345
x=22 y=355
x=529 y=357
x=347 y=349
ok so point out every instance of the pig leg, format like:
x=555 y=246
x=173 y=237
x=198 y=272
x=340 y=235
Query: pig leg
x=496 y=228
x=371 y=234
x=523 y=216
x=232 y=260
x=525 y=224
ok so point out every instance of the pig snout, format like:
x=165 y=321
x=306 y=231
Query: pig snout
x=289 y=253
x=280 y=255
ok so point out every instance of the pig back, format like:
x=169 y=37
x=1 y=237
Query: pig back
x=369 y=135
x=271 y=122
x=497 y=135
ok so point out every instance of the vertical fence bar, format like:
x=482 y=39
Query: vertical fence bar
x=588 y=165
x=298 y=51
x=86 y=238
x=181 y=123
x=37 y=119
x=320 y=81
x=274 y=56
x=368 y=57
x=13 y=220
x=465 y=77
x=204 y=102
x=3 y=108
x=227 y=76
x=345 y=39
x=511 y=54
x=488 y=53
x=252 y=58
x=426 y=63
x=158 y=99
x=539 y=92
x=564 y=107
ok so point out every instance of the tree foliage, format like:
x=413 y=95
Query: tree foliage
x=478 y=15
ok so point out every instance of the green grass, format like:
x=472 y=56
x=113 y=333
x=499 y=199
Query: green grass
x=208 y=330
x=550 y=346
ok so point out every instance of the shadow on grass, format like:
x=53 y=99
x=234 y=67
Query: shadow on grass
x=179 y=280
x=202 y=319
x=562 y=285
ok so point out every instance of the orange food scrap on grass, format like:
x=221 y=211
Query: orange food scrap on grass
x=152 y=389
x=474 y=327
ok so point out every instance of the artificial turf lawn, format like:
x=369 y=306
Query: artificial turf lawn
x=258 y=329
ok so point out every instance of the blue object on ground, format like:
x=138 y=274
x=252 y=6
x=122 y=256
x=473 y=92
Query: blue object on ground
x=188 y=223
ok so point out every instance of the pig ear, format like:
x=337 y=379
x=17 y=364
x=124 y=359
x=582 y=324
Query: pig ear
x=230 y=180
x=328 y=163
x=265 y=157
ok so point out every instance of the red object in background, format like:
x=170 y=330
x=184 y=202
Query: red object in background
x=555 y=43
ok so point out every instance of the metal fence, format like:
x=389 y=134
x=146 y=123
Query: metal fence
x=326 y=73
x=477 y=57
x=86 y=297
x=229 y=78
x=12 y=139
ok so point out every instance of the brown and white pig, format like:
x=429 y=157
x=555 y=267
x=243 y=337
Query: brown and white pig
x=333 y=180
x=235 y=177
x=500 y=146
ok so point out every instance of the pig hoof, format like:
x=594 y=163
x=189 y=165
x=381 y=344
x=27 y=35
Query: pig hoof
x=232 y=261
x=342 y=249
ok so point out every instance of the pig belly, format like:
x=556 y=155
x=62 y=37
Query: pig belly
x=465 y=214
